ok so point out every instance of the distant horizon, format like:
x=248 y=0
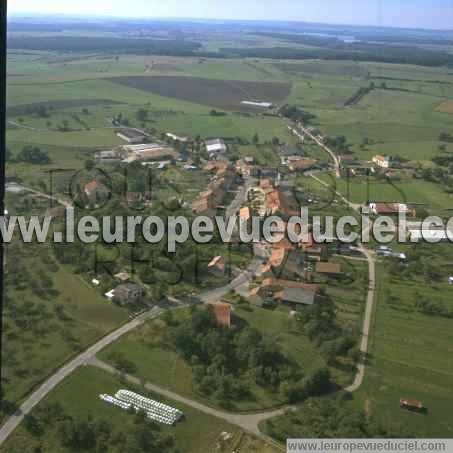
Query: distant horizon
x=435 y=15
x=88 y=17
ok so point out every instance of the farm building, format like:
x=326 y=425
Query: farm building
x=296 y=296
x=382 y=161
x=412 y=405
x=128 y=293
x=216 y=146
x=301 y=164
x=109 y=157
x=132 y=136
x=152 y=151
x=286 y=292
x=258 y=104
x=347 y=159
x=389 y=208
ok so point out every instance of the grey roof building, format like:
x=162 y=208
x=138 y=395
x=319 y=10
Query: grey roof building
x=298 y=296
x=129 y=293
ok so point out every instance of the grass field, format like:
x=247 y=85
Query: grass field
x=196 y=433
x=157 y=362
x=410 y=354
x=445 y=107
x=408 y=190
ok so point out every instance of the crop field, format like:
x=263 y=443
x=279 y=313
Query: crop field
x=225 y=94
x=403 y=114
x=445 y=107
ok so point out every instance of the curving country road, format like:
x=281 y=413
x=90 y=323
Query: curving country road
x=89 y=354
x=361 y=367
x=13 y=422
x=301 y=132
x=248 y=422
x=21 y=188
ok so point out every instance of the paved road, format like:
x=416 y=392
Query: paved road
x=21 y=188
x=22 y=126
x=360 y=375
x=371 y=295
x=239 y=284
x=301 y=132
x=88 y=355
x=14 y=421
x=248 y=422
x=240 y=198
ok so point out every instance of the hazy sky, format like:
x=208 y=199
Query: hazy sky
x=402 y=13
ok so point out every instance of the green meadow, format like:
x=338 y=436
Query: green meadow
x=195 y=433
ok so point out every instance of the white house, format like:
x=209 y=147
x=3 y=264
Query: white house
x=382 y=161
x=216 y=146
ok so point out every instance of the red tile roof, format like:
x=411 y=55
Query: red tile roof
x=94 y=185
x=222 y=314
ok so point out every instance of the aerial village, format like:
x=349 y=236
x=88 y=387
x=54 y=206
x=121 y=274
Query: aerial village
x=288 y=274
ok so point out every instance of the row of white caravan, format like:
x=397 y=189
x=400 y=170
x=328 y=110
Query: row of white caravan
x=158 y=412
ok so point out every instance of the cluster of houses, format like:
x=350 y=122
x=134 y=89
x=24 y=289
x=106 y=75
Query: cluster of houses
x=379 y=164
x=268 y=199
x=139 y=147
x=290 y=274
x=223 y=178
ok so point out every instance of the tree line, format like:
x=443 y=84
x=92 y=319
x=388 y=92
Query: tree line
x=226 y=362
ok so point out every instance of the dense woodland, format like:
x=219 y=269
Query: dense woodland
x=323 y=48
